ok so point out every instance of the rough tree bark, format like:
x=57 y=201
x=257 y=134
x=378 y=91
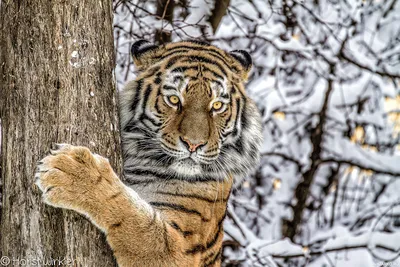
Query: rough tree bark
x=56 y=86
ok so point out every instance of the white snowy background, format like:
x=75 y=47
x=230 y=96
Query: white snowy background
x=326 y=77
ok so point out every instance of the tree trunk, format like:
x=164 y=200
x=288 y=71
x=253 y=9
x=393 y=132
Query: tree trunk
x=165 y=11
x=218 y=13
x=56 y=86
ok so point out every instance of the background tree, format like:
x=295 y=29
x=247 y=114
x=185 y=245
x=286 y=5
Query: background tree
x=56 y=86
x=326 y=77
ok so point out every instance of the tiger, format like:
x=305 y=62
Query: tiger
x=189 y=135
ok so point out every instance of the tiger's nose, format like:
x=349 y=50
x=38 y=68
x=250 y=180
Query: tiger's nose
x=192 y=146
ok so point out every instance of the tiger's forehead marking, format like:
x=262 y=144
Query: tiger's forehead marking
x=178 y=82
x=187 y=55
x=189 y=48
x=219 y=87
x=184 y=62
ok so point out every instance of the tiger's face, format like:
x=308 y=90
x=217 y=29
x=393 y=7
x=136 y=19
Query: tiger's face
x=197 y=112
x=188 y=113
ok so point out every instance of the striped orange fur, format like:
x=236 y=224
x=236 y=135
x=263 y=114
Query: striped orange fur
x=189 y=133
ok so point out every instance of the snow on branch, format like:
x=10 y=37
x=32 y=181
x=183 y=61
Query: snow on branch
x=344 y=152
x=371 y=241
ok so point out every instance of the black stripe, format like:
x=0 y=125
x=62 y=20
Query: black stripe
x=195 y=68
x=153 y=122
x=190 y=59
x=160 y=157
x=158 y=79
x=226 y=133
x=177 y=78
x=137 y=93
x=190 y=196
x=167 y=87
x=178 y=207
x=182 y=69
x=230 y=114
x=213 y=260
x=133 y=126
x=207 y=60
x=140 y=47
x=238 y=116
x=141 y=172
x=179 y=229
x=114 y=225
x=141 y=181
x=242 y=96
x=239 y=144
x=224 y=216
x=217 y=234
x=146 y=97
x=115 y=195
x=143 y=122
x=174 y=53
x=206 y=69
x=172 y=61
x=199 y=248
x=99 y=179
x=170 y=148
x=210 y=156
x=151 y=72
x=214 y=240
x=185 y=50
x=228 y=147
x=224 y=96
x=213 y=52
x=244 y=118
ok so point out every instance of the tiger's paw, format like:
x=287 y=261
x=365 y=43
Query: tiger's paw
x=72 y=177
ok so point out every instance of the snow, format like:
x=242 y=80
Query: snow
x=358 y=156
x=200 y=10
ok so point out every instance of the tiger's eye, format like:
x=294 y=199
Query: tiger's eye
x=217 y=105
x=174 y=99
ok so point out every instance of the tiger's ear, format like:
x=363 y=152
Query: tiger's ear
x=245 y=61
x=144 y=53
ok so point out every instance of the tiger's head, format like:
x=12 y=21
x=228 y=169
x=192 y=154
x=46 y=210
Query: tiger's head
x=187 y=114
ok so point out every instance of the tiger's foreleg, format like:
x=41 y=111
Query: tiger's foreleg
x=74 y=178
